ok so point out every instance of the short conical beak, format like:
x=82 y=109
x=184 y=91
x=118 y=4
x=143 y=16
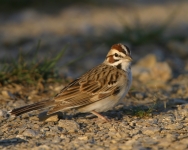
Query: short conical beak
x=129 y=58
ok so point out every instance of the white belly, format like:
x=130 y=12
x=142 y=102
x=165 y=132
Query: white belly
x=100 y=106
x=109 y=102
x=105 y=104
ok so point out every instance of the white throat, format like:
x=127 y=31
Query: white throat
x=121 y=64
x=126 y=66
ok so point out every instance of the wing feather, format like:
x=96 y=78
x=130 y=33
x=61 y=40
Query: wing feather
x=93 y=86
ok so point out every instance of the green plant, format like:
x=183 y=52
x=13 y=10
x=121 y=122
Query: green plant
x=140 y=112
x=23 y=71
x=32 y=71
x=143 y=111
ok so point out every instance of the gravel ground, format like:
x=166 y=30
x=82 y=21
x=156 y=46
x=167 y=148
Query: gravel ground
x=153 y=118
x=154 y=114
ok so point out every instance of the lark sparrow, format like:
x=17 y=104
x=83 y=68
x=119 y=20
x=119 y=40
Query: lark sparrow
x=98 y=90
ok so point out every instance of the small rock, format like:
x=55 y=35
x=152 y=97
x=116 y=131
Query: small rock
x=49 y=133
x=152 y=121
x=4 y=128
x=164 y=143
x=54 y=128
x=174 y=126
x=69 y=125
x=168 y=118
x=30 y=133
x=178 y=145
x=1 y=133
x=139 y=95
x=56 y=139
x=3 y=113
x=5 y=94
x=36 y=126
x=148 y=69
x=25 y=116
x=22 y=129
x=52 y=118
x=171 y=137
x=112 y=134
x=83 y=138
x=179 y=101
x=134 y=132
x=21 y=137
x=34 y=118
x=150 y=130
x=45 y=129
x=65 y=139
x=129 y=144
x=19 y=103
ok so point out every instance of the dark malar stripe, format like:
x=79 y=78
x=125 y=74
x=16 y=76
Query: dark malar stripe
x=119 y=66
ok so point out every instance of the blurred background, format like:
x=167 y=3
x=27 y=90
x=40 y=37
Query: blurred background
x=45 y=44
x=36 y=31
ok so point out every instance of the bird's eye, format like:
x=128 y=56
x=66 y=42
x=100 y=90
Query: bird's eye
x=116 y=54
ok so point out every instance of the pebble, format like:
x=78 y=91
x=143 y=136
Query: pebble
x=52 y=119
x=36 y=126
x=43 y=129
x=150 y=71
x=1 y=133
x=178 y=146
x=139 y=95
x=29 y=133
x=164 y=143
x=134 y=132
x=56 y=139
x=21 y=137
x=171 y=137
x=150 y=130
x=69 y=125
x=5 y=94
x=34 y=118
x=83 y=138
x=22 y=129
x=3 y=114
x=177 y=126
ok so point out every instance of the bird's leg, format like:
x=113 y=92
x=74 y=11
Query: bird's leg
x=100 y=116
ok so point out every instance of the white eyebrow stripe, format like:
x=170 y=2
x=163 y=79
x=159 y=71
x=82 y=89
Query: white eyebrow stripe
x=126 y=49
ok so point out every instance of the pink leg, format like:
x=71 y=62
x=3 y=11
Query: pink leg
x=100 y=116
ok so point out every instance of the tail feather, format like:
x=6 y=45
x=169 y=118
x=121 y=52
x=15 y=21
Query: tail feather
x=28 y=108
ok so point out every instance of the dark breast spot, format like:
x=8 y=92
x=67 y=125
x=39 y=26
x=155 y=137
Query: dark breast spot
x=116 y=91
x=119 y=66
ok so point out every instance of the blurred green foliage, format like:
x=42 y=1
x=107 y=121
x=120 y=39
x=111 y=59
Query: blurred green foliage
x=139 y=34
x=23 y=71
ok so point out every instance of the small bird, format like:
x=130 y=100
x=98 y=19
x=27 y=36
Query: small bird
x=98 y=90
